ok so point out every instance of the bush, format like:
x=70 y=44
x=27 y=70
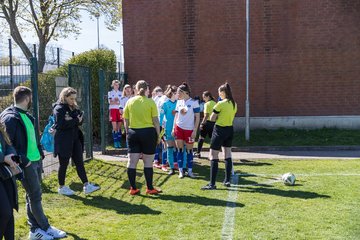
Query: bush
x=96 y=60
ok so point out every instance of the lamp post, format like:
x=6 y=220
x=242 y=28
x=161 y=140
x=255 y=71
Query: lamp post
x=247 y=102
x=97 y=15
x=120 y=55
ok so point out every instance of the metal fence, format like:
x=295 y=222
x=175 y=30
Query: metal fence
x=44 y=95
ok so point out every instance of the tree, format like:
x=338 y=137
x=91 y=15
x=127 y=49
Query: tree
x=52 y=19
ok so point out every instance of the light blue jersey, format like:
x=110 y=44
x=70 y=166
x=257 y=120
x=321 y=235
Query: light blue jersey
x=168 y=111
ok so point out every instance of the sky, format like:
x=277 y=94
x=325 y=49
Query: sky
x=87 y=39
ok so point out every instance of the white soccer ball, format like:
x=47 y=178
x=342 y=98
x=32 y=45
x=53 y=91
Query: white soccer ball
x=288 y=179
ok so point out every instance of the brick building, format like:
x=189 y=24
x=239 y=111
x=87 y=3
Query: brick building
x=304 y=55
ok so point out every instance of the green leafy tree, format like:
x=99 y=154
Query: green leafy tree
x=52 y=19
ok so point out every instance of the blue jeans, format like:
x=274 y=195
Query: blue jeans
x=32 y=186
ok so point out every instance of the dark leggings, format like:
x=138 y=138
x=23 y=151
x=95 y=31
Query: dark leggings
x=7 y=227
x=77 y=157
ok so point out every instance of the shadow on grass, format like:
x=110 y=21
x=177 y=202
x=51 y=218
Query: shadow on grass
x=283 y=193
x=195 y=199
x=115 y=204
x=76 y=237
x=245 y=162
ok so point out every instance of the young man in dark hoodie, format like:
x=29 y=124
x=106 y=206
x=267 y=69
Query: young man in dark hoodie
x=21 y=130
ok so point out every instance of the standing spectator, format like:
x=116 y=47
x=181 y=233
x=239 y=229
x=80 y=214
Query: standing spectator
x=186 y=122
x=224 y=114
x=21 y=130
x=114 y=97
x=156 y=95
x=206 y=126
x=8 y=189
x=142 y=128
x=69 y=140
x=168 y=112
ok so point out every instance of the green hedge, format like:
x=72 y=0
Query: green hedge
x=96 y=60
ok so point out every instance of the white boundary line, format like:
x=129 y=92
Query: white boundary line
x=230 y=210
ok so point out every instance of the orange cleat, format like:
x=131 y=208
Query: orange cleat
x=153 y=191
x=134 y=191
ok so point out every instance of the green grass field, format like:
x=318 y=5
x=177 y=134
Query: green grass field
x=324 y=203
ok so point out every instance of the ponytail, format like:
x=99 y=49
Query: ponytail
x=141 y=87
x=4 y=134
x=227 y=89
x=185 y=88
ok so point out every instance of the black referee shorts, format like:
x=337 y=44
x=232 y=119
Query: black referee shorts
x=207 y=129
x=142 y=140
x=221 y=137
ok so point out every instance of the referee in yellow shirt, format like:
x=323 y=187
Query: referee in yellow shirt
x=142 y=127
x=224 y=113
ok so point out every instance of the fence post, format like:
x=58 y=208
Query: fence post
x=35 y=50
x=35 y=94
x=11 y=65
x=102 y=111
x=58 y=57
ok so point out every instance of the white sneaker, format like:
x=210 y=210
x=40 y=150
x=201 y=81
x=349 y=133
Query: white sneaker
x=65 y=190
x=181 y=173
x=39 y=234
x=90 y=187
x=191 y=174
x=55 y=233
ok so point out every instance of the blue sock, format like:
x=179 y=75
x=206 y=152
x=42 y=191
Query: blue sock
x=157 y=152
x=164 y=156
x=114 y=135
x=118 y=135
x=190 y=158
x=184 y=159
x=180 y=158
x=170 y=156
x=175 y=155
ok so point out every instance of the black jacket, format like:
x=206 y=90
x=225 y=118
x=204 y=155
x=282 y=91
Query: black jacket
x=67 y=131
x=10 y=184
x=15 y=127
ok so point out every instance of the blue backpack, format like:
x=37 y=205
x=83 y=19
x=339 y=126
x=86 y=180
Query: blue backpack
x=47 y=139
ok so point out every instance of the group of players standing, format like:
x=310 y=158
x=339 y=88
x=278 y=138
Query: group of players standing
x=170 y=122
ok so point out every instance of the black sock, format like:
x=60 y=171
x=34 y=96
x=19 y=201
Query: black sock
x=132 y=175
x=214 y=166
x=200 y=144
x=228 y=169
x=149 y=172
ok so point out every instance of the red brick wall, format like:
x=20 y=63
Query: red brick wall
x=305 y=54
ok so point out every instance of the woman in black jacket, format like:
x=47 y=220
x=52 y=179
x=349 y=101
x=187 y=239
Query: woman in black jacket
x=69 y=140
x=8 y=190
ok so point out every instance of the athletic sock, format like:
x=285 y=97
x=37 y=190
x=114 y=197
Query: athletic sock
x=114 y=135
x=164 y=156
x=175 y=155
x=118 y=138
x=149 y=177
x=214 y=166
x=228 y=169
x=200 y=145
x=190 y=158
x=170 y=156
x=132 y=175
x=180 y=158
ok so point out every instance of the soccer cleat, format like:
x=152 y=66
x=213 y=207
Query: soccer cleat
x=118 y=144
x=164 y=168
x=209 y=187
x=39 y=234
x=134 y=191
x=157 y=165
x=65 y=190
x=227 y=184
x=55 y=233
x=197 y=155
x=90 y=187
x=181 y=174
x=190 y=174
x=172 y=171
x=153 y=191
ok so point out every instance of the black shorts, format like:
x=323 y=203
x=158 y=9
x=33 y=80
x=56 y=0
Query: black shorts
x=221 y=137
x=207 y=129
x=142 y=140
